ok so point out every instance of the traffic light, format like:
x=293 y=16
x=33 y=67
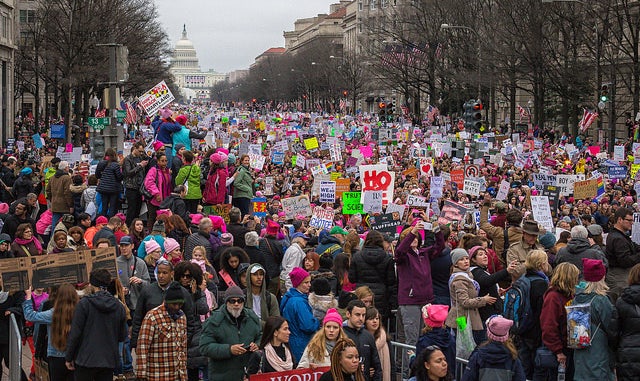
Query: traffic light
x=604 y=93
x=122 y=63
x=382 y=112
x=390 y=111
x=345 y=93
x=473 y=117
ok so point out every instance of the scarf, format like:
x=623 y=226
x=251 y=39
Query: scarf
x=4 y=295
x=329 y=345
x=25 y=242
x=276 y=362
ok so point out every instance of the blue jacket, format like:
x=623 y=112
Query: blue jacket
x=326 y=241
x=142 y=252
x=184 y=136
x=442 y=338
x=296 y=309
x=164 y=129
x=44 y=317
x=495 y=357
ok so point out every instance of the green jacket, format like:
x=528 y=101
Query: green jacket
x=193 y=171
x=268 y=302
x=243 y=183
x=219 y=332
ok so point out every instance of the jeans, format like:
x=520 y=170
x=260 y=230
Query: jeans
x=134 y=203
x=55 y=218
x=126 y=361
x=109 y=204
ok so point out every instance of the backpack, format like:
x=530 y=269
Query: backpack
x=579 y=323
x=517 y=304
x=209 y=195
x=331 y=250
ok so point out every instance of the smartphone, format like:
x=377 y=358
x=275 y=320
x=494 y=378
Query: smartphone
x=246 y=346
x=427 y=226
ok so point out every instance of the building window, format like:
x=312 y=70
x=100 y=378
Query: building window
x=360 y=5
x=5 y=26
x=372 y=4
x=27 y=16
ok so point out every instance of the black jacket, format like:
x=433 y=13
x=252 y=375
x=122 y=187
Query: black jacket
x=273 y=253
x=110 y=176
x=177 y=206
x=536 y=296
x=132 y=172
x=99 y=323
x=22 y=186
x=577 y=249
x=367 y=350
x=489 y=285
x=621 y=250
x=628 y=306
x=13 y=304
x=151 y=297
x=238 y=231
x=8 y=176
x=373 y=267
x=11 y=224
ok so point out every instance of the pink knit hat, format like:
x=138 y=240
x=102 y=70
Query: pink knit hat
x=166 y=113
x=157 y=145
x=434 y=315
x=150 y=246
x=332 y=315
x=170 y=245
x=297 y=275
x=4 y=208
x=196 y=218
x=498 y=328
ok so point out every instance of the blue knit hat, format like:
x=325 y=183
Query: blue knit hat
x=547 y=240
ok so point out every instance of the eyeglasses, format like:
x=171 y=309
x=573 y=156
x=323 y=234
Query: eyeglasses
x=188 y=276
x=235 y=301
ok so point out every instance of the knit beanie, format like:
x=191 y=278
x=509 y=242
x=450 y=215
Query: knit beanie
x=434 y=315
x=297 y=275
x=458 y=254
x=273 y=228
x=498 y=328
x=158 y=226
x=170 y=245
x=226 y=239
x=234 y=292
x=332 y=315
x=593 y=270
x=151 y=245
x=174 y=293
x=547 y=240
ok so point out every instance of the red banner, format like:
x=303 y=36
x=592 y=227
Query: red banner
x=304 y=374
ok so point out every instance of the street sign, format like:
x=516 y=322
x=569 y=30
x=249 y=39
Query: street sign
x=120 y=115
x=95 y=122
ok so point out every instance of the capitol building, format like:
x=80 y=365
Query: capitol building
x=193 y=83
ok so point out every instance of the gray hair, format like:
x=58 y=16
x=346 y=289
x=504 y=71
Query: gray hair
x=63 y=165
x=251 y=238
x=205 y=223
x=579 y=231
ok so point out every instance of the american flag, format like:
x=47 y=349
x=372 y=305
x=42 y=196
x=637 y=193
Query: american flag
x=132 y=115
x=343 y=104
x=523 y=113
x=588 y=117
x=439 y=50
x=101 y=113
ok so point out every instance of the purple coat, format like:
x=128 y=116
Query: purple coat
x=414 y=271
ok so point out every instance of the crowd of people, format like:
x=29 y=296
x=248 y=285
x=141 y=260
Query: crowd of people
x=217 y=279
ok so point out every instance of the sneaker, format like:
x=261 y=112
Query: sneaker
x=129 y=376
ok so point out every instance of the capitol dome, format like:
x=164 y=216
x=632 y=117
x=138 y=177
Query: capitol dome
x=184 y=55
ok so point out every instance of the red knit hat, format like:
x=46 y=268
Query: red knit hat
x=593 y=270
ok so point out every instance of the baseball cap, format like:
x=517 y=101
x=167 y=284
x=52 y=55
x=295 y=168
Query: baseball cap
x=338 y=230
x=126 y=240
x=257 y=268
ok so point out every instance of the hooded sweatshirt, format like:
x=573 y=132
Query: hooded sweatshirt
x=577 y=249
x=628 y=306
x=268 y=301
x=442 y=338
x=493 y=360
x=99 y=323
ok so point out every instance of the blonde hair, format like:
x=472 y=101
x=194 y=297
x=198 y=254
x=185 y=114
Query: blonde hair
x=204 y=254
x=600 y=287
x=565 y=278
x=535 y=260
x=318 y=344
x=363 y=292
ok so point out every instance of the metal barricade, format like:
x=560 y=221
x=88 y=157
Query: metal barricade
x=15 y=350
x=403 y=352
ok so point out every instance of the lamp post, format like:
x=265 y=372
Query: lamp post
x=467 y=28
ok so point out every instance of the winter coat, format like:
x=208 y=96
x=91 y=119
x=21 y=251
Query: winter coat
x=628 y=307
x=184 y=136
x=295 y=307
x=268 y=303
x=132 y=172
x=110 y=175
x=329 y=242
x=22 y=187
x=216 y=193
x=440 y=269
x=373 y=267
x=366 y=344
x=19 y=250
x=199 y=238
x=494 y=356
x=519 y=252
x=320 y=304
x=597 y=361
x=621 y=250
x=59 y=193
x=536 y=297
x=554 y=335
x=496 y=234
x=238 y=231
x=152 y=296
x=76 y=194
x=243 y=183
x=293 y=257
x=577 y=249
x=190 y=173
x=273 y=252
x=219 y=332
x=489 y=285
x=99 y=323
x=414 y=270
x=177 y=206
x=164 y=128
x=443 y=339
x=158 y=182
x=464 y=300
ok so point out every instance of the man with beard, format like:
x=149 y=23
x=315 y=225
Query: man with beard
x=229 y=336
x=17 y=215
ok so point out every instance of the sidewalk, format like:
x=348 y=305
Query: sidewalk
x=26 y=364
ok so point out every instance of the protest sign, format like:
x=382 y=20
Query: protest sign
x=351 y=203
x=553 y=194
x=414 y=201
x=618 y=153
x=451 y=212
x=302 y=374
x=542 y=212
x=277 y=158
x=386 y=223
x=617 y=172
x=587 y=189
x=322 y=218
x=259 y=206
x=319 y=169
x=311 y=143
x=378 y=178
x=457 y=177
x=372 y=201
x=300 y=161
x=328 y=191
x=335 y=153
x=17 y=274
x=540 y=180
x=256 y=162
x=503 y=191
x=635 y=228
x=395 y=208
x=293 y=206
x=342 y=185
x=565 y=183
x=426 y=166
x=437 y=183
x=221 y=210
x=156 y=98
x=471 y=187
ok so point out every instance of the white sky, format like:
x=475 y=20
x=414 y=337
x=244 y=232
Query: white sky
x=229 y=34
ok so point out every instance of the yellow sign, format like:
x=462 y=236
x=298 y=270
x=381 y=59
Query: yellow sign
x=311 y=143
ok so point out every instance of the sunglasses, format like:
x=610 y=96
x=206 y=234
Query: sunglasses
x=235 y=301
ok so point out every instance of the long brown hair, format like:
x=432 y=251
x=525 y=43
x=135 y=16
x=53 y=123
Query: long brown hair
x=318 y=344
x=65 y=304
x=336 y=354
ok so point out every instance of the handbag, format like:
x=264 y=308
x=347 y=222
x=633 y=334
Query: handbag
x=145 y=192
x=545 y=358
x=186 y=180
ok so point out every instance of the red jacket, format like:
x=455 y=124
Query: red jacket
x=553 y=320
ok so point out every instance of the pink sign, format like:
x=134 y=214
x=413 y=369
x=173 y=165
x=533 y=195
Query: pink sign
x=366 y=151
x=68 y=147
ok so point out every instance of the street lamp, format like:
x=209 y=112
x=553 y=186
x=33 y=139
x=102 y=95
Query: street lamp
x=467 y=28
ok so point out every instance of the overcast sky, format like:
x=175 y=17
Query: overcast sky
x=229 y=34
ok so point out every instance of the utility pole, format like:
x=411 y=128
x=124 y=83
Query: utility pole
x=113 y=134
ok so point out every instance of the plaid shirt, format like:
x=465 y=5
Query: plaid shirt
x=162 y=347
